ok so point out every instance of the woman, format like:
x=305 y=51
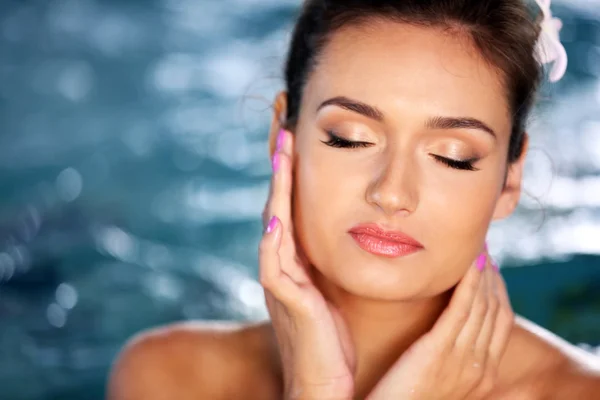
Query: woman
x=403 y=139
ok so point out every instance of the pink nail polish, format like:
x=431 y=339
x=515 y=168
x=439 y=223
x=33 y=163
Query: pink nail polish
x=272 y=224
x=481 y=261
x=280 y=139
x=276 y=162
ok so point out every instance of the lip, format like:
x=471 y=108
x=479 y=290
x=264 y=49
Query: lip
x=377 y=241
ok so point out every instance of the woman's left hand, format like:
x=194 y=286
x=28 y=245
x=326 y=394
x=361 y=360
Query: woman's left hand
x=459 y=357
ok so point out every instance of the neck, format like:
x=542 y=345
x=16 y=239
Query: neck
x=381 y=331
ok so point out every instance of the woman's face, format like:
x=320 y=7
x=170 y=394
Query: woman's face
x=404 y=89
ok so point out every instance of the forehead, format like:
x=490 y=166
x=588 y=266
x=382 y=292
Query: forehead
x=400 y=67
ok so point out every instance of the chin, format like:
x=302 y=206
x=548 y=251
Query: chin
x=383 y=278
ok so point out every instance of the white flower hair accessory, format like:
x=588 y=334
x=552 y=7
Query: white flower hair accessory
x=549 y=48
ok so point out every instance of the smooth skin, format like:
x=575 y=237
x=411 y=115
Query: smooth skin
x=429 y=325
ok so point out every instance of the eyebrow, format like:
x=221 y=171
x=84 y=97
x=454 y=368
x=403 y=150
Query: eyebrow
x=354 y=105
x=459 y=123
x=437 y=122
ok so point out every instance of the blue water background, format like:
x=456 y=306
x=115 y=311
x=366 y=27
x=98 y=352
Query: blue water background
x=134 y=167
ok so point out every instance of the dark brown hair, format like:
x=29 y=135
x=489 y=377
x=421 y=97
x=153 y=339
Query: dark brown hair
x=502 y=30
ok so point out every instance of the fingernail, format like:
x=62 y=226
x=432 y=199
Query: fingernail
x=272 y=224
x=275 y=162
x=481 y=261
x=280 y=139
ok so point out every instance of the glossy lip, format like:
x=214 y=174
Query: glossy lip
x=377 y=241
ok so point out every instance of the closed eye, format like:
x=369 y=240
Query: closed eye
x=466 y=165
x=336 y=141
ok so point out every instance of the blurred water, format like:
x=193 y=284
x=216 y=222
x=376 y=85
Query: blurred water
x=133 y=170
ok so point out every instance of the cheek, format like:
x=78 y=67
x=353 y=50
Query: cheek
x=458 y=213
x=308 y=210
x=323 y=199
x=465 y=206
x=314 y=193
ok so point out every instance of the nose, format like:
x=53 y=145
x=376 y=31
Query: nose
x=394 y=188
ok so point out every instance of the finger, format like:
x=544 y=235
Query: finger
x=282 y=185
x=267 y=208
x=287 y=142
x=455 y=316
x=265 y=212
x=281 y=198
x=466 y=340
x=281 y=205
x=287 y=147
x=268 y=257
x=481 y=358
x=505 y=321
x=275 y=162
x=271 y=275
x=487 y=329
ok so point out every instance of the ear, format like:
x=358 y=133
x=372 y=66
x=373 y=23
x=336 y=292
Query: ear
x=278 y=120
x=511 y=193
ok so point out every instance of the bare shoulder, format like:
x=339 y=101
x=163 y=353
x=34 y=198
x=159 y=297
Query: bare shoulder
x=541 y=359
x=192 y=360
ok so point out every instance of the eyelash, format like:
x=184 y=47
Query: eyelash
x=338 y=142
x=465 y=165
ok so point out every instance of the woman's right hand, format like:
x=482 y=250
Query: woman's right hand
x=316 y=350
